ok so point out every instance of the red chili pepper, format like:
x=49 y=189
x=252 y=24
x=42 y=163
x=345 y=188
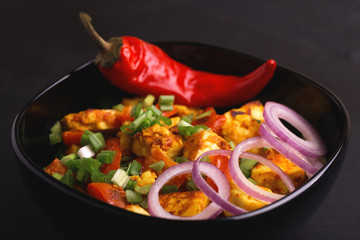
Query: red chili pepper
x=139 y=67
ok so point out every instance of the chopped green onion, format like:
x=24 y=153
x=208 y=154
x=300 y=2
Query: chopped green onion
x=90 y=164
x=232 y=145
x=158 y=166
x=82 y=175
x=118 y=107
x=137 y=122
x=106 y=156
x=166 y=102
x=57 y=176
x=169 y=189
x=97 y=141
x=191 y=186
x=166 y=107
x=130 y=184
x=55 y=138
x=134 y=168
x=166 y=99
x=252 y=180
x=183 y=123
x=245 y=171
x=144 y=203
x=143 y=190
x=133 y=197
x=56 y=128
x=181 y=159
x=145 y=119
x=188 y=118
x=98 y=176
x=137 y=110
x=165 y=120
x=149 y=100
x=73 y=164
x=68 y=178
x=204 y=114
x=120 y=178
x=247 y=163
x=186 y=129
x=205 y=159
x=68 y=157
x=155 y=110
x=85 y=138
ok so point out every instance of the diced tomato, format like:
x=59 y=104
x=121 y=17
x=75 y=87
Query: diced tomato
x=221 y=162
x=108 y=193
x=71 y=138
x=158 y=155
x=168 y=113
x=124 y=116
x=56 y=167
x=214 y=121
x=112 y=144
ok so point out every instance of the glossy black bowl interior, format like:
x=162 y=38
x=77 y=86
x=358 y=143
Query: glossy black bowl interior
x=73 y=211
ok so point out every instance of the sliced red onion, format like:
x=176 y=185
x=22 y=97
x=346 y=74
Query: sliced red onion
x=208 y=190
x=211 y=211
x=240 y=179
x=312 y=146
x=310 y=166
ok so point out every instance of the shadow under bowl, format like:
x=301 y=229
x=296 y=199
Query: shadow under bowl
x=78 y=215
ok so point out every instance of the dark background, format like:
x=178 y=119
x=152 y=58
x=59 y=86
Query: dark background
x=43 y=40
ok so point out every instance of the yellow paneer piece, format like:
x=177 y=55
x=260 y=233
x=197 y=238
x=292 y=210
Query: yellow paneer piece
x=239 y=198
x=240 y=129
x=266 y=177
x=201 y=142
x=243 y=123
x=93 y=120
x=125 y=143
x=147 y=177
x=159 y=136
x=184 y=204
x=137 y=209
x=131 y=101
x=254 y=109
x=183 y=110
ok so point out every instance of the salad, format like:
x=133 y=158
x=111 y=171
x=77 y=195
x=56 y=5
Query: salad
x=155 y=157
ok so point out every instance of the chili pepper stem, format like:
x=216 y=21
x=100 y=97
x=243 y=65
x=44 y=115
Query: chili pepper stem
x=109 y=50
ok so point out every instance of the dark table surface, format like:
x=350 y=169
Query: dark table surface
x=43 y=40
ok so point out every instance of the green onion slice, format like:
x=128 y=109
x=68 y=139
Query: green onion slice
x=106 y=156
x=158 y=166
x=118 y=107
x=149 y=100
x=204 y=114
x=143 y=190
x=166 y=99
x=68 y=178
x=169 y=189
x=120 y=178
x=133 y=197
x=134 y=168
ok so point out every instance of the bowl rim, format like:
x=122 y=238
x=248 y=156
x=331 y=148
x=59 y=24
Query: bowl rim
x=36 y=170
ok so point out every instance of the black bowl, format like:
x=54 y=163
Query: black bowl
x=80 y=215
